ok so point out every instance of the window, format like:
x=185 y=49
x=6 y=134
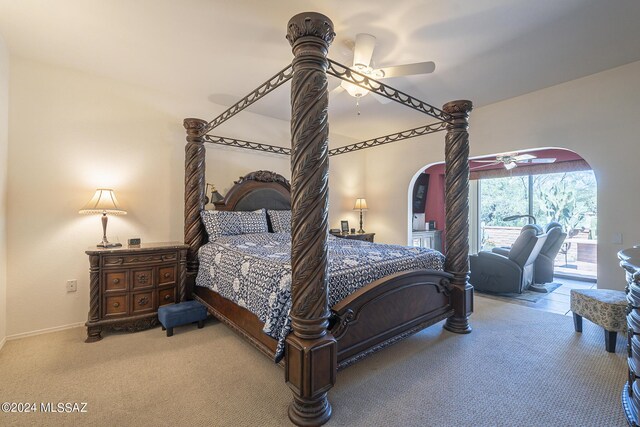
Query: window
x=569 y=198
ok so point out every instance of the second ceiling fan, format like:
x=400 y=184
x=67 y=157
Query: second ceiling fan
x=362 y=54
x=511 y=160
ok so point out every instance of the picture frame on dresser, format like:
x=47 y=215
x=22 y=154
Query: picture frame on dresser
x=344 y=226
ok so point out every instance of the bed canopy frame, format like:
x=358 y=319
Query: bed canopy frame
x=311 y=360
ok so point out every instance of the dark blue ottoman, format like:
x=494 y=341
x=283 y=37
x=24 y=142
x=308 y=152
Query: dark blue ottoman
x=180 y=314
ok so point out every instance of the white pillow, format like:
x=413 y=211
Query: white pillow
x=280 y=221
x=228 y=223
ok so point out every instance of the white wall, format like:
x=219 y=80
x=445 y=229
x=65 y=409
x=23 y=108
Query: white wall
x=346 y=174
x=4 y=144
x=71 y=133
x=596 y=116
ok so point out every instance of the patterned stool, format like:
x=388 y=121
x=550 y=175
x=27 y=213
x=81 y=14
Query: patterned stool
x=603 y=307
x=172 y=315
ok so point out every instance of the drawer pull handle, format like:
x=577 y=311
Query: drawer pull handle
x=116 y=281
x=167 y=275
x=116 y=304
x=167 y=297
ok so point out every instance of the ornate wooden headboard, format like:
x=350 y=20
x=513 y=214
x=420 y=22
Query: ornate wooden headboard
x=255 y=190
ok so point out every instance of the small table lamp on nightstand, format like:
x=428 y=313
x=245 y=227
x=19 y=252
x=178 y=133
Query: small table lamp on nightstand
x=104 y=202
x=361 y=205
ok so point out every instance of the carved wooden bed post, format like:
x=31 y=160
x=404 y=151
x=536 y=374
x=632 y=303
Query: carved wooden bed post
x=457 y=214
x=194 y=177
x=311 y=351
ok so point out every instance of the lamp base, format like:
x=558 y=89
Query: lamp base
x=361 y=231
x=108 y=245
x=105 y=242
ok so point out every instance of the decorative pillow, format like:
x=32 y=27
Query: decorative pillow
x=228 y=223
x=280 y=221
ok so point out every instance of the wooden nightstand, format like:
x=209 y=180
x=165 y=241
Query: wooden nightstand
x=367 y=237
x=127 y=285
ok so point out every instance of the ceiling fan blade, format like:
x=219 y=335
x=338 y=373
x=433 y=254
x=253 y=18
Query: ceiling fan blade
x=547 y=160
x=521 y=157
x=484 y=166
x=363 y=50
x=409 y=69
x=486 y=161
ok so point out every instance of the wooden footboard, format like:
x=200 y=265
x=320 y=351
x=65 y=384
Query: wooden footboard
x=388 y=310
x=368 y=320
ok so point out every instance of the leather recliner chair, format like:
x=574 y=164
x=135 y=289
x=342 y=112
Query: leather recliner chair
x=512 y=271
x=543 y=270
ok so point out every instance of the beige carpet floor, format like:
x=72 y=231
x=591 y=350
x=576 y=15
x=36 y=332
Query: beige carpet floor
x=519 y=367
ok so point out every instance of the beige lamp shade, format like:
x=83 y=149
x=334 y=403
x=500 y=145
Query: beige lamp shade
x=360 y=204
x=104 y=201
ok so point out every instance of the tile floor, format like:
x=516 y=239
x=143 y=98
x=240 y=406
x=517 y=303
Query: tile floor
x=557 y=301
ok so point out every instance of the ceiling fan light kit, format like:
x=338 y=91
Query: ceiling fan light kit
x=354 y=90
x=510 y=165
x=362 y=54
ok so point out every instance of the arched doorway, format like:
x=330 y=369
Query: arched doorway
x=542 y=185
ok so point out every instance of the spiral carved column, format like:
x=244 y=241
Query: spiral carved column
x=94 y=332
x=310 y=350
x=457 y=214
x=194 y=185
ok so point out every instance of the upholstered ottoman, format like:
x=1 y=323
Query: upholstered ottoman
x=604 y=307
x=180 y=314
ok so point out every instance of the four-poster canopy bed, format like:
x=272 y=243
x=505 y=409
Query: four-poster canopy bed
x=327 y=338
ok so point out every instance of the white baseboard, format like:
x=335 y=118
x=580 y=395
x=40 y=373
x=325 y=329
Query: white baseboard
x=4 y=340
x=43 y=331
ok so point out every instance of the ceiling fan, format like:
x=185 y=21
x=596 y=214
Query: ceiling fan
x=362 y=54
x=511 y=160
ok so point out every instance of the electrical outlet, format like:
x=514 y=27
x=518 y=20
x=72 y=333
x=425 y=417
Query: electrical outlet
x=72 y=285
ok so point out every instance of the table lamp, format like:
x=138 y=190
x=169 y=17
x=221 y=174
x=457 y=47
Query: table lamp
x=215 y=195
x=104 y=202
x=361 y=205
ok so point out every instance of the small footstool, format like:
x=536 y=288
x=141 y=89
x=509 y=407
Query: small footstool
x=180 y=314
x=604 y=307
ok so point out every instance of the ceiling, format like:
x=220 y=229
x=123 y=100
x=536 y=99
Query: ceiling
x=484 y=50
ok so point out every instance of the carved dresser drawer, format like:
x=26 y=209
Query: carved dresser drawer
x=127 y=285
x=116 y=281
x=115 y=305
x=142 y=302
x=166 y=296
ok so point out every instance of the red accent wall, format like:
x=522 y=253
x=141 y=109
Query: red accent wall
x=434 y=208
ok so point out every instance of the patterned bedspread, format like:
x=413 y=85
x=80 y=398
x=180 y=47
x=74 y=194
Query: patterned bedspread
x=254 y=271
